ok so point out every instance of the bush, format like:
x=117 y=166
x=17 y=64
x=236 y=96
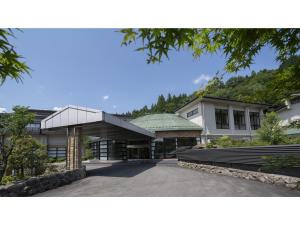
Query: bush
x=293 y=140
x=28 y=157
x=56 y=160
x=271 y=131
x=88 y=154
x=277 y=163
x=7 y=180
x=211 y=145
x=225 y=142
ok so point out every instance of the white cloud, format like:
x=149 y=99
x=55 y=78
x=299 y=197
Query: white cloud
x=105 y=97
x=203 y=78
x=57 y=108
x=114 y=106
x=2 y=110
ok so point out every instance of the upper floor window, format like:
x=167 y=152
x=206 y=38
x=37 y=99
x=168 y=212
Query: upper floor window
x=33 y=127
x=222 y=121
x=239 y=120
x=254 y=120
x=191 y=113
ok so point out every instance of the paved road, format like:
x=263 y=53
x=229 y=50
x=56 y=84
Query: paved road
x=163 y=179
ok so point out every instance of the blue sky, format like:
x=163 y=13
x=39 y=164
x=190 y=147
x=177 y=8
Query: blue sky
x=89 y=67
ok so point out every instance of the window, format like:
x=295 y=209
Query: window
x=239 y=120
x=191 y=113
x=222 y=121
x=254 y=120
x=33 y=127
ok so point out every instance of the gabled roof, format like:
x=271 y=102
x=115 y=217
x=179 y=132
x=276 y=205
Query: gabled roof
x=165 y=122
x=76 y=115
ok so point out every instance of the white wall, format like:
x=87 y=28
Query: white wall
x=289 y=115
x=210 y=120
x=197 y=119
x=206 y=118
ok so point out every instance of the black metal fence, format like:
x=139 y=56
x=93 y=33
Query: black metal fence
x=241 y=155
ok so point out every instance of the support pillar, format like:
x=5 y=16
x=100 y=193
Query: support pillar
x=247 y=118
x=198 y=139
x=74 y=148
x=231 y=118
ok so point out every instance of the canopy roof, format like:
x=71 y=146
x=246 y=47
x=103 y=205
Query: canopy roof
x=165 y=122
x=93 y=122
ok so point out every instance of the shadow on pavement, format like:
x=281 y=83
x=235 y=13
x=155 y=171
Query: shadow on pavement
x=122 y=169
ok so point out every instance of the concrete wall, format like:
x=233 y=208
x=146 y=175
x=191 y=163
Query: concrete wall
x=289 y=115
x=195 y=118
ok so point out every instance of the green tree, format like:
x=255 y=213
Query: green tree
x=271 y=131
x=240 y=46
x=28 y=154
x=265 y=86
x=12 y=128
x=88 y=153
x=161 y=103
x=11 y=65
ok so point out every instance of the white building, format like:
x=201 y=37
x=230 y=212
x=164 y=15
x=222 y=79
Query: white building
x=291 y=111
x=220 y=116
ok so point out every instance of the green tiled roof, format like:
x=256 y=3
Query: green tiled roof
x=164 y=122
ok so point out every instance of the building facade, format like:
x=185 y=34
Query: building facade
x=289 y=113
x=55 y=143
x=199 y=121
x=220 y=116
x=171 y=132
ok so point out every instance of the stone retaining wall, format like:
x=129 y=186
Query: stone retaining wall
x=287 y=181
x=36 y=185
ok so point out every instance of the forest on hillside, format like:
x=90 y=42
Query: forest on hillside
x=265 y=86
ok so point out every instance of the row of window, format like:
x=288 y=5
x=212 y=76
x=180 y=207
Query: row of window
x=222 y=119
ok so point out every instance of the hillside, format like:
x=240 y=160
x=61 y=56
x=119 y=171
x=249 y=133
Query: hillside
x=265 y=86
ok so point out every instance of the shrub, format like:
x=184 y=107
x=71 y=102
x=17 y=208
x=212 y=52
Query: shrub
x=56 y=160
x=271 y=131
x=225 y=142
x=210 y=145
x=277 y=163
x=7 y=179
x=293 y=140
x=29 y=155
x=88 y=154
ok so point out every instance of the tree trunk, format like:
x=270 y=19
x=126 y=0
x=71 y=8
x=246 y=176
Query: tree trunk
x=4 y=169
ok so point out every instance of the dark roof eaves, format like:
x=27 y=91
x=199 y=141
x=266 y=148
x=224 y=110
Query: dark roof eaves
x=220 y=98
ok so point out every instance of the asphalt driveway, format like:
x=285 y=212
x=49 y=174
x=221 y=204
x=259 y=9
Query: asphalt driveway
x=162 y=179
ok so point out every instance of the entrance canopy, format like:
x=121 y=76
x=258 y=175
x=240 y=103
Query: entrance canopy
x=93 y=122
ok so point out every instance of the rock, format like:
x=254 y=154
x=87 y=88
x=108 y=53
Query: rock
x=292 y=185
x=36 y=185
x=287 y=181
